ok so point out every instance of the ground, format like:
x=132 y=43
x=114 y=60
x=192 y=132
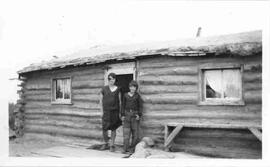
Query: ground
x=20 y=147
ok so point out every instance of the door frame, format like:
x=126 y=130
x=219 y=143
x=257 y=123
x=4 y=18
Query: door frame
x=120 y=69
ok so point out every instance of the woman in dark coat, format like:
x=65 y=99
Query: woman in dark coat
x=110 y=101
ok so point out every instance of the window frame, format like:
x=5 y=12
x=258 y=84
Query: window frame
x=53 y=91
x=203 y=101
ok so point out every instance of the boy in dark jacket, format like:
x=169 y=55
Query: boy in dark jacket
x=130 y=114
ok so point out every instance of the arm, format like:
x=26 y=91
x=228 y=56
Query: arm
x=140 y=106
x=123 y=106
x=120 y=104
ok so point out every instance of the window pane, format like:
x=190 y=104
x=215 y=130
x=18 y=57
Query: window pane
x=213 y=83
x=59 y=89
x=232 y=83
x=67 y=88
x=62 y=89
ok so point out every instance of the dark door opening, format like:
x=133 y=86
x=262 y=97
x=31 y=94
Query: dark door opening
x=122 y=81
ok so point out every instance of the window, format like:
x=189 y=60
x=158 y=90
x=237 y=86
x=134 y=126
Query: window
x=61 y=90
x=221 y=86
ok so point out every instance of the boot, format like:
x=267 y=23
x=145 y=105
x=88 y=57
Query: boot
x=112 y=148
x=105 y=147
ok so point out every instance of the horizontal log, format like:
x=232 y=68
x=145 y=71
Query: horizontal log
x=87 y=97
x=76 y=141
x=165 y=61
x=184 y=61
x=90 y=81
x=85 y=104
x=41 y=97
x=45 y=85
x=88 y=84
x=151 y=125
x=253 y=96
x=169 y=80
x=184 y=98
x=38 y=92
x=35 y=88
x=37 y=104
x=88 y=77
x=64 y=111
x=86 y=91
x=202 y=114
x=22 y=96
x=19 y=105
x=22 y=84
x=22 y=78
x=53 y=130
x=212 y=126
x=170 y=71
x=150 y=89
x=39 y=80
x=253 y=67
x=252 y=86
x=73 y=118
x=20 y=91
x=64 y=123
x=252 y=77
x=204 y=121
x=75 y=103
x=21 y=101
x=179 y=107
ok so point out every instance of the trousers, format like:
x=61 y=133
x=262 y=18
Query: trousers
x=130 y=128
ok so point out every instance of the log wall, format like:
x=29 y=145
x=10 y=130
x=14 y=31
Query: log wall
x=80 y=121
x=169 y=88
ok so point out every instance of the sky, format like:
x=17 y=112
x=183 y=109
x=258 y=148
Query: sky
x=35 y=30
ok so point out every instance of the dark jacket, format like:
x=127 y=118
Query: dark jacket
x=132 y=103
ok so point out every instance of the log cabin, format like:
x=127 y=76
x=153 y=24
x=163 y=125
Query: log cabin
x=201 y=95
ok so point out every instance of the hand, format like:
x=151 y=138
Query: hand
x=122 y=118
x=137 y=117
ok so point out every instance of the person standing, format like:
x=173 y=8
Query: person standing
x=110 y=102
x=131 y=112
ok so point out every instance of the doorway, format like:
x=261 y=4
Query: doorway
x=125 y=72
x=123 y=81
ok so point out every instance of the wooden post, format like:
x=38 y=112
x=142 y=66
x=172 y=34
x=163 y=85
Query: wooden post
x=256 y=133
x=170 y=138
x=165 y=132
